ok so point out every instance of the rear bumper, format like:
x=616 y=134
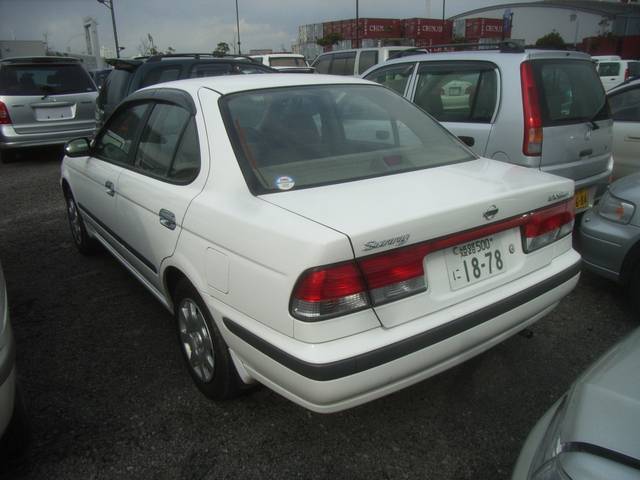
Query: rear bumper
x=10 y=139
x=329 y=380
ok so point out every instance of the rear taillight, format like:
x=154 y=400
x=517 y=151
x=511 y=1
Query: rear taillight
x=342 y=288
x=548 y=225
x=5 y=119
x=532 y=142
x=329 y=291
x=627 y=74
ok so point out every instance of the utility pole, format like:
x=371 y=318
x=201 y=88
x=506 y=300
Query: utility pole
x=444 y=6
x=109 y=5
x=357 y=25
x=238 y=27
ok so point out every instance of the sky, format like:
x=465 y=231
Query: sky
x=197 y=25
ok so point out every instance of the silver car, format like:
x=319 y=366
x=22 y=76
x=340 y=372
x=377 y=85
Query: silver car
x=44 y=101
x=535 y=108
x=592 y=432
x=610 y=235
x=13 y=424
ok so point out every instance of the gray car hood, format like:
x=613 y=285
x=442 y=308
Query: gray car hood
x=604 y=404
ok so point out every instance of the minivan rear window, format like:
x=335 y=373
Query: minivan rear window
x=301 y=137
x=609 y=69
x=29 y=79
x=570 y=92
x=287 y=62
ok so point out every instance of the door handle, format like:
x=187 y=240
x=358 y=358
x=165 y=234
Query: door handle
x=167 y=219
x=109 y=186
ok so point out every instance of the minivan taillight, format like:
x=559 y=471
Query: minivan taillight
x=627 y=74
x=347 y=287
x=548 y=225
x=5 y=119
x=532 y=142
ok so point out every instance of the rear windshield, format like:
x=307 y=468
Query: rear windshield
x=41 y=79
x=570 y=92
x=634 y=69
x=299 y=137
x=287 y=62
x=609 y=69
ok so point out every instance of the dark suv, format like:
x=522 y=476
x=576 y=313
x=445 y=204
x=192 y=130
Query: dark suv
x=130 y=75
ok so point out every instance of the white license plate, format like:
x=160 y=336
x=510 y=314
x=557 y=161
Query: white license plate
x=472 y=262
x=53 y=113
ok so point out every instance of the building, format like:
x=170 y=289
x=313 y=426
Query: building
x=574 y=20
x=22 y=48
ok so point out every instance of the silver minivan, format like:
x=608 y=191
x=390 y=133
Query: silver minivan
x=539 y=109
x=354 y=61
x=44 y=101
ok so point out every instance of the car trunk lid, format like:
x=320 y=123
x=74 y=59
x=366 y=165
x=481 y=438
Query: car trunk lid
x=387 y=213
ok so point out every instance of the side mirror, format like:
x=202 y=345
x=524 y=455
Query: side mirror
x=78 y=147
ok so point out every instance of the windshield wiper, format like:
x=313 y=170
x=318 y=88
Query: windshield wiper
x=47 y=90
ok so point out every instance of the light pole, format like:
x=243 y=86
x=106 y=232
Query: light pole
x=357 y=26
x=238 y=28
x=109 y=5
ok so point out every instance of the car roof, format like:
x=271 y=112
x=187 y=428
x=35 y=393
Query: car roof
x=490 y=55
x=226 y=84
x=278 y=55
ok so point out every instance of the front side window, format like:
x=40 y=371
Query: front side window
x=625 y=106
x=609 y=69
x=44 y=79
x=368 y=58
x=395 y=77
x=569 y=91
x=457 y=93
x=160 y=139
x=300 y=137
x=114 y=142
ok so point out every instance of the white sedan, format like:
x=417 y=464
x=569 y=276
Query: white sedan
x=317 y=234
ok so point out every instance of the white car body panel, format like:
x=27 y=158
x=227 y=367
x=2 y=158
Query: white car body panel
x=245 y=253
x=626 y=148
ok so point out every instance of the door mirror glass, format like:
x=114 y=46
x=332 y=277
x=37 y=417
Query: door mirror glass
x=78 y=147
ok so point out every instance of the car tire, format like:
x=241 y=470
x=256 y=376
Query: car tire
x=83 y=242
x=205 y=352
x=16 y=437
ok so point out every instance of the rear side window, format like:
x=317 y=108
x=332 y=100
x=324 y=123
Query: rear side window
x=395 y=77
x=609 y=69
x=323 y=63
x=570 y=92
x=466 y=92
x=287 y=62
x=368 y=58
x=161 y=74
x=257 y=59
x=634 y=69
x=625 y=106
x=160 y=138
x=114 y=88
x=210 y=70
x=186 y=163
x=343 y=64
x=44 y=79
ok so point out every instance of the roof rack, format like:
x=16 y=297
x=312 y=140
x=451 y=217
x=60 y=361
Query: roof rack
x=504 y=47
x=43 y=59
x=158 y=58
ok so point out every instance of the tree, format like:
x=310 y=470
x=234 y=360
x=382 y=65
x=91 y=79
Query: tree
x=330 y=39
x=147 y=46
x=551 y=40
x=222 y=48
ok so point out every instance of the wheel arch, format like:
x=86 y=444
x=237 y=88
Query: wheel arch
x=630 y=262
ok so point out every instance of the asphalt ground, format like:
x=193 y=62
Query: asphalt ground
x=109 y=397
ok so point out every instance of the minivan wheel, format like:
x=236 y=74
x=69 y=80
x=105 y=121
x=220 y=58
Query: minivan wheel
x=203 y=348
x=85 y=244
x=16 y=437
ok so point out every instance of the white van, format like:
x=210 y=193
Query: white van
x=613 y=70
x=285 y=62
x=354 y=61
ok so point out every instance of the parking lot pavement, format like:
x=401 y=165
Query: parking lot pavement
x=109 y=397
